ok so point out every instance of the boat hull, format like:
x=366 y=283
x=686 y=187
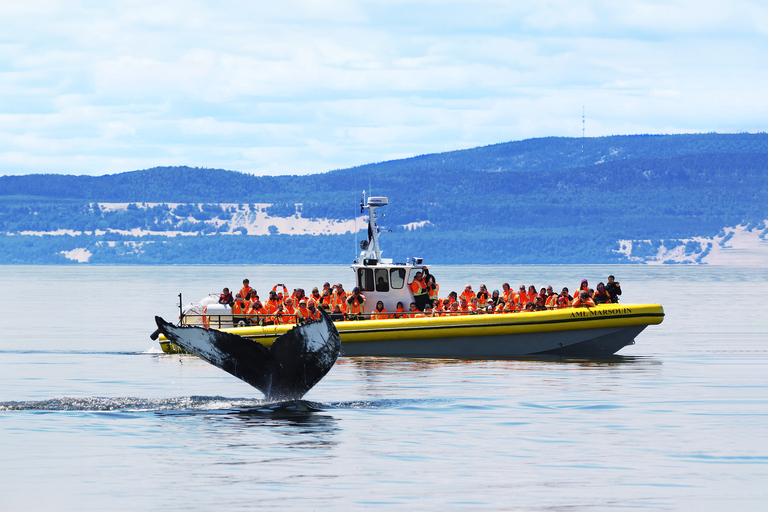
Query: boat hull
x=578 y=332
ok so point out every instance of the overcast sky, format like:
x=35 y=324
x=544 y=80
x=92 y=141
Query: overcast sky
x=295 y=87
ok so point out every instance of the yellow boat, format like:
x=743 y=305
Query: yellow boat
x=570 y=332
x=573 y=332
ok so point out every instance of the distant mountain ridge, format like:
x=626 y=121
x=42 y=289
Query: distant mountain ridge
x=529 y=201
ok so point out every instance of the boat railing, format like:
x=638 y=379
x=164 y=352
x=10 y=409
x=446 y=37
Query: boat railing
x=226 y=321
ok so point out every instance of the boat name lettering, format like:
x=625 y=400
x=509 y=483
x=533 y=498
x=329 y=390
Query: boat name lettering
x=598 y=312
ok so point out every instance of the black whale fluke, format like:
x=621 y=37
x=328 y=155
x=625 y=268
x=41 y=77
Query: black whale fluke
x=294 y=363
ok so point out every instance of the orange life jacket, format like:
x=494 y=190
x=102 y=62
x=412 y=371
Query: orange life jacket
x=355 y=305
x=380 y=315
x=245 y=290
x=433 y=292
x=240 y=308
x=417 y=287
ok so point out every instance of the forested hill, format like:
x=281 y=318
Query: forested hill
x=553 y=200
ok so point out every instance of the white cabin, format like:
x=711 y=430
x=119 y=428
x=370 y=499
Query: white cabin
x=380 y=279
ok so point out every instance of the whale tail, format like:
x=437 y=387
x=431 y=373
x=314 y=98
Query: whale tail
x=294 y=363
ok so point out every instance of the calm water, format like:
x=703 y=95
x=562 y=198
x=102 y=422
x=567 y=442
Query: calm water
x=94 y=417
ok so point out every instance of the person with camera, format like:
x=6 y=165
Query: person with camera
x=614 y=289
x=355 y=304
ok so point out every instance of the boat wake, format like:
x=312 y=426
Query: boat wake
x=201 y=404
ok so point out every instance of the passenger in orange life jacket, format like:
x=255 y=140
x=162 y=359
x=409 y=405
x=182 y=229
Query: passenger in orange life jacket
x=467 y=294
x=239 y=311
x=565 y=294
x=246 y=290
x=551 y=301
x=302 y=312
x=314 y=312
x=256 y=311
x=339 y=297
x=433 y=289
x=355 y=303
x=538 y=304
x=379 y=313
x=272 y=302
x=428 y=312
x=473 y=305
x=280 y=295
x=290 y=311
x=314 y=297
x=495 y=298
x=583 y=286
x=297 y=295
x=532 y=294
x=419 y=289
x=521 y=297
x=326 y=300
x=399 y=311
x=562 y=302
x=583 y=300
x=507 y=293
x=454 y=310
x=463 y=306
x=543 y=294
x=412 y=311
x=483 y=296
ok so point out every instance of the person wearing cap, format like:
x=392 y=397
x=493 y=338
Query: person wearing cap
x=314 y=297
x=302 y=313
x=355 y=304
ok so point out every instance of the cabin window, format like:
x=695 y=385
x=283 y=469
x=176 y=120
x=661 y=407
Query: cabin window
x=365 y=279
x=382 y=280
x=397 y=278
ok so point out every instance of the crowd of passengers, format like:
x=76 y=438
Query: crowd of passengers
x=284 y=308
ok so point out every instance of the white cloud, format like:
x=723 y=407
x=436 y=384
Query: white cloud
x=307 y=86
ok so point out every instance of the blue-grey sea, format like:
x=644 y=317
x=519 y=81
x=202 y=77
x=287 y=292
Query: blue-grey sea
x=94 y=417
